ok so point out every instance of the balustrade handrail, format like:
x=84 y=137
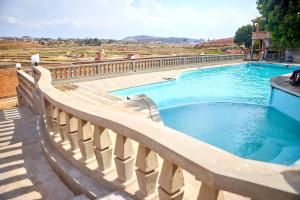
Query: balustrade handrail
x=137 y=60
x=212 y=166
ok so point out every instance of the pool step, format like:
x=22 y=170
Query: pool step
x=268 y=151
x=287 y=156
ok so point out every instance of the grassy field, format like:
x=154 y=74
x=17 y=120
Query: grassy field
x=12 y=52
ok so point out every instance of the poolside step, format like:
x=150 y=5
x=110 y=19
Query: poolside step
x=268 y=151
x=82 y=97
x=287 y=156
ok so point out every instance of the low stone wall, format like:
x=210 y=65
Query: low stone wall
x=295 y=53
x=115 y=68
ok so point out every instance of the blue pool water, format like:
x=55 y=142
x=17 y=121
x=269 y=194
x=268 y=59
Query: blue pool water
x=226 y=107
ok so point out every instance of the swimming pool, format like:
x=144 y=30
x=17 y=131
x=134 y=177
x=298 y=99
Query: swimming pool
x=227 y=107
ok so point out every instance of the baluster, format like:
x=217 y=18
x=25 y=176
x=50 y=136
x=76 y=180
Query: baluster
x=103 y=149
x=55 y=124
x=48 y=116
x=124 y=160
x=86 y=71
x=147 y=172
x=86 y=140
x=75 y=72
x=62 y=73
x=61 y=119
x=57 y=73
x=170 y=182
x=79 y=71
x=82 y=71
x=72 y=132
x=101 y=71
x=208 y=193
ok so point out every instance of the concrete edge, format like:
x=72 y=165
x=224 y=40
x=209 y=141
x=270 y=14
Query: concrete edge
x=274 y=84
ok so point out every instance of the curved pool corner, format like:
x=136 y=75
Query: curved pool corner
x=285 y=97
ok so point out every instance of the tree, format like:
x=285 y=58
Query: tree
x=243 y=36
x=282 y=21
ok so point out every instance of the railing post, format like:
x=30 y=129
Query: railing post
x=55 y=123
x=170 y=182
x=98 y=70
x=146 y=172
x=208 y=193
x=124 y=160
x=103 y=149
x=62 y=128
x=72 y=132
x=48 y=111
x=86 y=140
x=133 y=65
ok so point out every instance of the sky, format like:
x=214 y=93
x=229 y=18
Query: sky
x=117 y=19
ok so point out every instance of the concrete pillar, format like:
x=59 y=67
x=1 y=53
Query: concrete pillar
x=208 y=193
x=124 y=160
x=170 y=182
x=103 y=149
x=72 y=132
x=62 y=128
x=252 y=48
x=54 y=122
x=85 y=140
x=48 y=109
x=147 y=172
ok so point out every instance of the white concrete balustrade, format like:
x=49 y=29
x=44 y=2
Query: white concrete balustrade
x=101 y=143
x=109 y=68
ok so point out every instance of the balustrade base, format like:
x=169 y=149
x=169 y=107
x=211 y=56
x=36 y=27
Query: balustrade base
x=125 y=171
x=104 y=159
x=163 y=195
x=141 y=195
x=147 y=184
x=86 y=149
x=56 y=137
x=73 y=137
x=89 y=161
x=125 y=185
x=75 y=152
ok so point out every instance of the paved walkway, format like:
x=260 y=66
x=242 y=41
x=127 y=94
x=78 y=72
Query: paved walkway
x=24 y=171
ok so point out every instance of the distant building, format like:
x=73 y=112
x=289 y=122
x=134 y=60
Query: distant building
x=263 y=37
x=100 y=55
x=27 y=38
x=132 y=56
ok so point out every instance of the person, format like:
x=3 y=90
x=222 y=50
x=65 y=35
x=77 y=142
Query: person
x=295 y=75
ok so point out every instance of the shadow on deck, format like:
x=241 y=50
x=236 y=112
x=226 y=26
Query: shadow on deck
x=24 y=171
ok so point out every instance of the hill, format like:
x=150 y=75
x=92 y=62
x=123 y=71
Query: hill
x=154 y=39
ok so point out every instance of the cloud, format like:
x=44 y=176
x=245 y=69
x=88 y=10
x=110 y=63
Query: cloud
x=9 y=20
x=120 y=18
